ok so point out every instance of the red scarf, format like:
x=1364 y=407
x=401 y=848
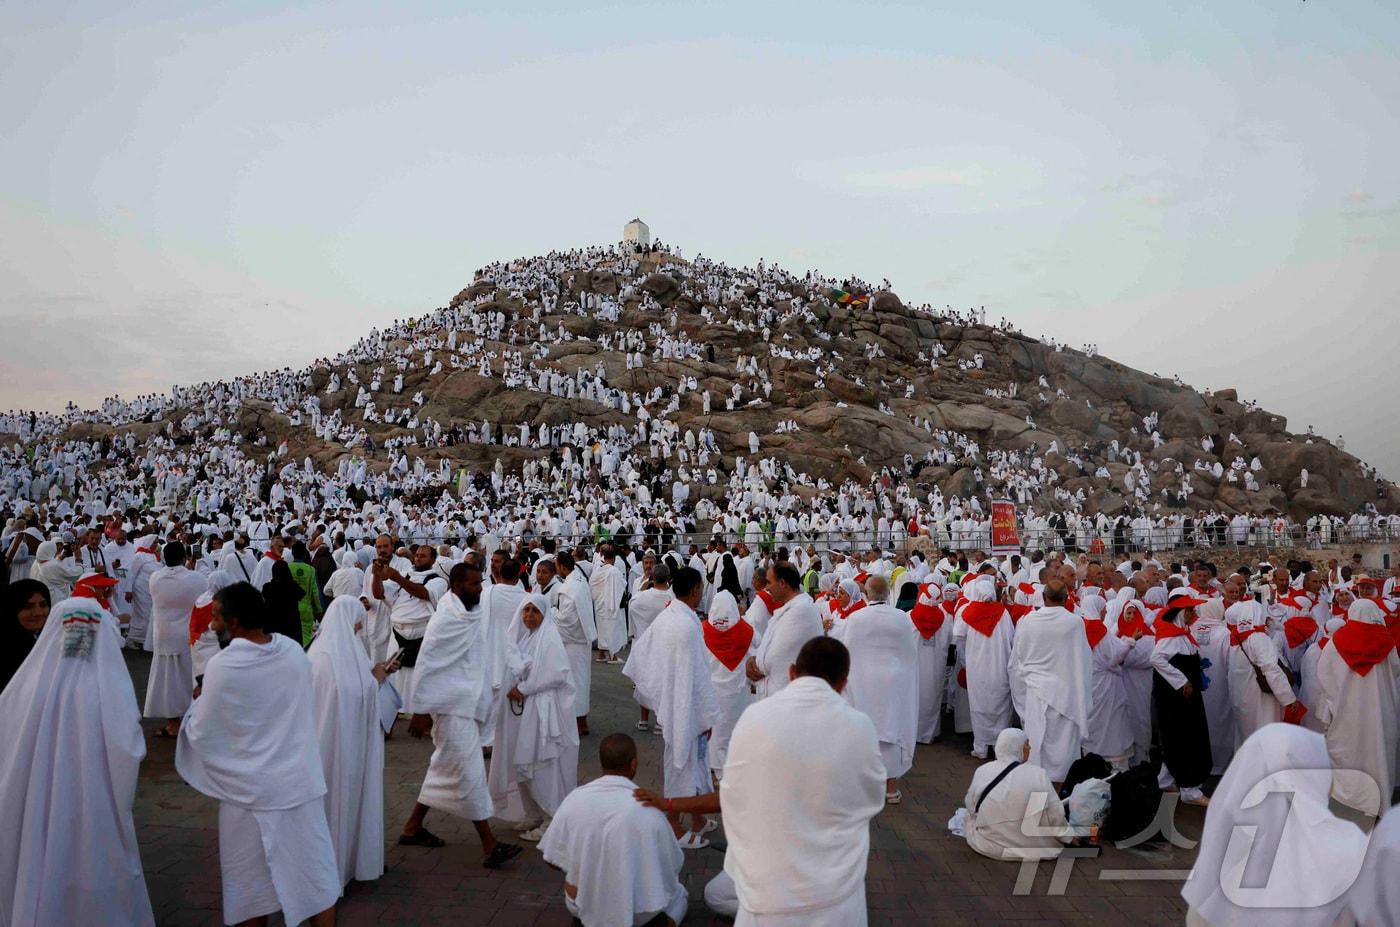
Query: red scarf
x=1019 y=611
x=1236 y=638
x=862 y=576
x=983 y=617
x=200 y=616
x=768 y=602
x=851 y=609
x=1127 y=627
x=1026 y=588
x=1298 y=629
x=1166 y=629
x=1362 y=645
x=731 y=646
x=149 y=550
x=927 y=618
x=1094 y=630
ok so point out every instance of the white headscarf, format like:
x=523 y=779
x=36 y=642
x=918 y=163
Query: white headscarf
x=1011 y=745
x=853 y=592
x=1318 y=854
x=724 y=611
x=338 y=650
x=982 y=590
x=1092 y=606
x=74 y=745
x=1366 y=612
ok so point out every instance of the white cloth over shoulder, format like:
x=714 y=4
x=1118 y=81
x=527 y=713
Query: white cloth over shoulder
x=73 y=749
x=451 y=667
x=621 y=855
x=352 y=748
x=1307 y=858
x=884 y=682
x=250 y=738
x=790 y=754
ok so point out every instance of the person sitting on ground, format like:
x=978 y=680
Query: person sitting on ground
x=1012 y=809
x=620 y=859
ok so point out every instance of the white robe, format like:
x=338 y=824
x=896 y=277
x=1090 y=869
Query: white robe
x=1021 y=818
x=607 y=586
x=1110 y=730
x=731 y=685
x=352 y=745
x=536 y=749
x=620 y=855
x=1051 y=683
x=884 y=680
x=789 y=754
x=933 y=675
x=988 y=679
x=1314 y=857
x=498 y=603
x=250 y=741
x=452 y=667
x=73 y=749
x=1360 y=713
x=1253 y=708
x=791 y=626
x=668 y=666
x=169 y=690
x=571 y=606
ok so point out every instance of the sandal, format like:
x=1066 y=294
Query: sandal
x=424 y=838
x=643 y=726
x=692 y=841
x=894 y=798
x=502 y=854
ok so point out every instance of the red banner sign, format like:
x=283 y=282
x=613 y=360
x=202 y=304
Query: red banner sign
x=1005 y=539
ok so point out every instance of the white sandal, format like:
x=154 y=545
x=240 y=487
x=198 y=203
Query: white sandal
x=692 y=841
x=894 y=798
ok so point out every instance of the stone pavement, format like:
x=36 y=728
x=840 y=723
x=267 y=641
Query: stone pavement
x=918 y=873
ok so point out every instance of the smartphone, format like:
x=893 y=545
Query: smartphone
x=397 y=657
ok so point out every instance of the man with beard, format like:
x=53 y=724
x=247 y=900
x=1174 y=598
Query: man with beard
x=451 y=682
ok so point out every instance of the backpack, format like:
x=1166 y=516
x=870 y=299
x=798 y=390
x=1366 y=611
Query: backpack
x=1088 y=766
x=1135 y=798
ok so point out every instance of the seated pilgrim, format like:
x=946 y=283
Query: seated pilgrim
x=1013 y=811
x=620 y=859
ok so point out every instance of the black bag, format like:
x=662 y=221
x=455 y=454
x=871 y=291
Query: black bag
x=1088 y=766
x=1134 y=799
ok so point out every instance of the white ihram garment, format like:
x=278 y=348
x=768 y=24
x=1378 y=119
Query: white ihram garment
x=607 y=586
x=1051 y=683
x=352 y=746
x=250 y=741
x=884 y=682
x=451 y=686
x=791 y=626
x=73 y=749
x=789 y=754
x=668 y=666
x=170 y=687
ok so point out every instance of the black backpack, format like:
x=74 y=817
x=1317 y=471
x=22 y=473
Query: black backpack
x=1135 y=798
x=1088 y=766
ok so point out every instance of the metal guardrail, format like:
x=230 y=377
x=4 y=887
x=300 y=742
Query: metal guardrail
x=1158 y=540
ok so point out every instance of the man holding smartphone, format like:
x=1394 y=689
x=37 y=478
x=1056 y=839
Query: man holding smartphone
x=411 y=596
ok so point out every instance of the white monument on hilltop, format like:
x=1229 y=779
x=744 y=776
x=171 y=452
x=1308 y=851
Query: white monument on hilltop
x=636 y=232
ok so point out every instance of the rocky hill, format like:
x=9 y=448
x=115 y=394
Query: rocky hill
x=881 y=375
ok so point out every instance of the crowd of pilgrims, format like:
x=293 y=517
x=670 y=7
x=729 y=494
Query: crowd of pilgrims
x=330 y=602
x=644 y=469
x=1063 y=671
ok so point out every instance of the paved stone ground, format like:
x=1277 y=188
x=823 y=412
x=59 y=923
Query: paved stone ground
x=918 y=873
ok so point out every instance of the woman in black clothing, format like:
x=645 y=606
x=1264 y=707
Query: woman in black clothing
x=1176 y=695
x=908 y=596
x=23 y=611
x=283 y=597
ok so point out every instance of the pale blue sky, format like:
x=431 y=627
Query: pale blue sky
x=1201 y=188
